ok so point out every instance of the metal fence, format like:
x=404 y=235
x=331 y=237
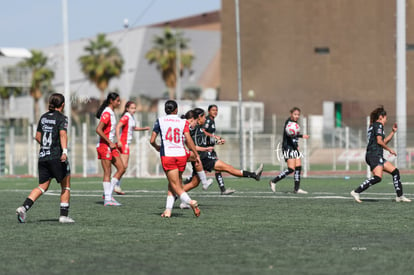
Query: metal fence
x=337 y=150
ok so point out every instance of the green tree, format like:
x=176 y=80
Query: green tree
x=102 y=62
x=164 y=54
x=42 y=77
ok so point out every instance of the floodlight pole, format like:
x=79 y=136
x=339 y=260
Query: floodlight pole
x=178 y=66
x=239 y=84
x=68 y=100
x=401 y=85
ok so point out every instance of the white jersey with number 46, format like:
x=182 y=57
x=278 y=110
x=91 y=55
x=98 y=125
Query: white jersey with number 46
x=171 y=129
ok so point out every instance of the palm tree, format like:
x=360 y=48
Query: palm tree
x=102 y=62
x=41 y=77
x=164 y=55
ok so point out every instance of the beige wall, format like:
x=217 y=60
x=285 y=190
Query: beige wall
x=278 y=38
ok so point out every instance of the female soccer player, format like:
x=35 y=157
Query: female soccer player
x=106 y=148
x=377 y=142
x=209 y=129
x=291 y=153
x=210 y=160
x=128 y=125
x=198 y=172
x=174 y=155
x=53 y=160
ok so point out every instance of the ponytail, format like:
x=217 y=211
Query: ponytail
x=111 y=97
x=375 y=114
x=56 y=100
x=127 y=105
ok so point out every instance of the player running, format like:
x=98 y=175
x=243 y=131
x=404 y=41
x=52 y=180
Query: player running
x=128 y=125
x=290 y=149
x=210 y=160
x=209 y=129
x=377 y=142
x=53 y=158
x=106 y=148
x=174 y=132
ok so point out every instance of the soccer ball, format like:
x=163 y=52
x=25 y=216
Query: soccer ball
x=292 y=129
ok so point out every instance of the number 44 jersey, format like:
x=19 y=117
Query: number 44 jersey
x=171 y=128
x=50 y=124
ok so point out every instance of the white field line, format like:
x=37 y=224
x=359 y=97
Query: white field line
x=211 y=194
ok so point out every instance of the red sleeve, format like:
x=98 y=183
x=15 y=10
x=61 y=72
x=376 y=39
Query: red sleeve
x=186 y=127
x=106 y=118
x=124 y=119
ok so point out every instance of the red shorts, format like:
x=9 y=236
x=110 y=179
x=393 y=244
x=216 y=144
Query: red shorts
x=104 y=152
x=124 y=149
x=171 y=163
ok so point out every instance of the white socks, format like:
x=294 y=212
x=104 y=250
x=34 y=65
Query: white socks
x=185 y=198
x=109 y=188
x=203 y=177
x=170 y=202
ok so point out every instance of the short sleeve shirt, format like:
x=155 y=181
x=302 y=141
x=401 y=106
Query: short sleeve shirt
x=49 y=126
x=109 y=119
x=210 y=127
x=128 y=129
x=289 y=142
x=373 y=148
x=171 y=129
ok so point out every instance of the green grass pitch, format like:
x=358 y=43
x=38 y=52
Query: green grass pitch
x=253 y=231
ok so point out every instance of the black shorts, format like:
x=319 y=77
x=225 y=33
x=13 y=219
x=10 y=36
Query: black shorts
x=374 y=161
x=50 y=169
x=209 y=159
x=291 y=154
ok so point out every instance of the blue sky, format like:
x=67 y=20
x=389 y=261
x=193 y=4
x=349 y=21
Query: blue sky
x=38 y=23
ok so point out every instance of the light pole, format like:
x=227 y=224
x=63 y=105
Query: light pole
x=126 y=27
x=251 y=94
x=239 y=82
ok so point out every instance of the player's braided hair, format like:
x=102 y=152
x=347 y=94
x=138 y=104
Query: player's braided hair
x=109 y=98
x=375 y=114
x=56 y=100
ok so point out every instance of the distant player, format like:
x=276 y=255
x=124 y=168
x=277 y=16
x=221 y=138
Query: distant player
x=106 y=148
x=53 y=158
x=291 y=153
x=209 y=129
x=174 y=132
x=210 y=160
x=377 y=142
x=124 y=133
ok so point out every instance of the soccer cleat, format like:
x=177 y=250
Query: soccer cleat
x=402 y=199
x=66 y=219
x=111 y=203
x=272 y=186
x=259 y=172
x=166 y=213
x=118 y=190
x=207 y=185
x=21 y=214
x=228 y=192
x=300 y=191
x=194 y=206
x=356 y=196
x=184 y=205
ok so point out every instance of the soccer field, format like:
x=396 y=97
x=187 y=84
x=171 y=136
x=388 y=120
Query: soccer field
x=253 y=231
